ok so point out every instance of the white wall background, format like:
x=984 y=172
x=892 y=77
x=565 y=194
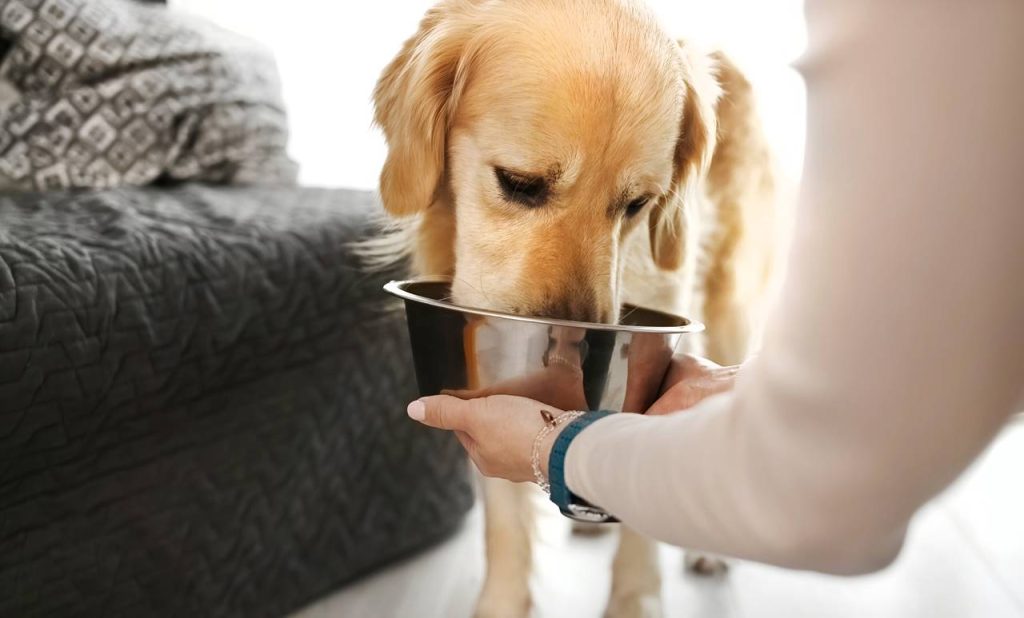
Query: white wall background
x=330 y=54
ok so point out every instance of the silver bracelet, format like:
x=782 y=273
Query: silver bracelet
x=550 y=424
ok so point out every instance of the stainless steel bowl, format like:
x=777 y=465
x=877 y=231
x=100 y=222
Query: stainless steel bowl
x=569 y=365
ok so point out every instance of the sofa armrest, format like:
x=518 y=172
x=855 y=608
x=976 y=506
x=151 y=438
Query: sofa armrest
x=202 y=405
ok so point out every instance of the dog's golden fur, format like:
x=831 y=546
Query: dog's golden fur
x=592 y=103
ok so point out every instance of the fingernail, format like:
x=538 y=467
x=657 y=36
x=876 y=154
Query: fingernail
x=417 y=410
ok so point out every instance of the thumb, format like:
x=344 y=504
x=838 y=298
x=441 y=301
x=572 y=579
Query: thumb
x=441 y=411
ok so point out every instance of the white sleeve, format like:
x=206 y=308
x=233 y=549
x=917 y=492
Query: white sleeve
x=896 y=350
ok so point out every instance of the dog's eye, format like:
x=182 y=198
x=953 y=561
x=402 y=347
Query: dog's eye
x=634 y=207
x=521 y=189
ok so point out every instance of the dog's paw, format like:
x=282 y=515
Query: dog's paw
x=582 y=528
x=634 y=606
x=502 y=604
x=704 y=565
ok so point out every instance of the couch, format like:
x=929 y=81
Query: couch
x=202 y=396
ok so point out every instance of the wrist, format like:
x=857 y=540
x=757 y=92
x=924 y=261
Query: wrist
x=568 y=503
x=543 y=443
x=547 y=443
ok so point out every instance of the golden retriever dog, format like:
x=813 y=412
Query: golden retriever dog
x=557 y=158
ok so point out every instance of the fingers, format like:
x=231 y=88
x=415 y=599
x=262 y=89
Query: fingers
x=441 y=412
x=686 y=367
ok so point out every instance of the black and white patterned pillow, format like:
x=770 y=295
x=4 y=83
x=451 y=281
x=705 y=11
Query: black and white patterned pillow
x=101 y=93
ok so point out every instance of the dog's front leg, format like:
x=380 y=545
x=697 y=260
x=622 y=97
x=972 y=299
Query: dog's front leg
x=508 y=516
x=636 y=578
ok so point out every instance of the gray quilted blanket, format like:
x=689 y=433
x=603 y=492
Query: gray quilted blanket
x=202 y=405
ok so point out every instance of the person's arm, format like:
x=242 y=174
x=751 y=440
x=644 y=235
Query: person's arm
x=896 y=351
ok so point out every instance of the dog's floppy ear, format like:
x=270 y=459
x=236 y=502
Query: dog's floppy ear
x=694 y=149
x=414 y=100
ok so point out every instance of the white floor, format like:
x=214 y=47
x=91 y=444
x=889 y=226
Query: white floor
x=964 y=558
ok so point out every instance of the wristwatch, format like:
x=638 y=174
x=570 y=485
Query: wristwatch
x=571 y=505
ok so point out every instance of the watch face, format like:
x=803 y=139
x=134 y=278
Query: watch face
x=589 y=514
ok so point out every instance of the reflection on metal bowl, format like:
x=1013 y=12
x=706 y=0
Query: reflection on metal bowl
x=471 y=352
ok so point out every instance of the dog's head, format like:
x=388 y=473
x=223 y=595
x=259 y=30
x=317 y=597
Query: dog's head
x=532 y=137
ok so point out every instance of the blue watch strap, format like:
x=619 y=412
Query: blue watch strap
x=560 y=494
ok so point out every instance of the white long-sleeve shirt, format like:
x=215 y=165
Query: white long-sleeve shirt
x=896 y=351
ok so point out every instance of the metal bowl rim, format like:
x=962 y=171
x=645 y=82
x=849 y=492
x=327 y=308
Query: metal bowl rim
x=396 y=288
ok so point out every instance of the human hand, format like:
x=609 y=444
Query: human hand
x=689 y=380
x=497 y=431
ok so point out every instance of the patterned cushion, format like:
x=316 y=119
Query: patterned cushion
x=114 y=93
